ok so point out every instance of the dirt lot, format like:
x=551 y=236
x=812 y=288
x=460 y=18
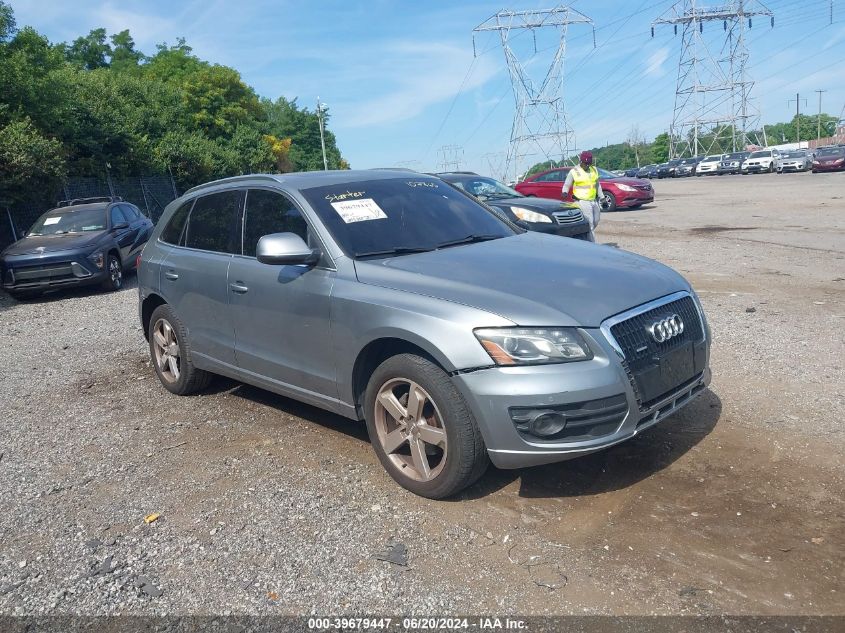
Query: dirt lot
x=735 y=505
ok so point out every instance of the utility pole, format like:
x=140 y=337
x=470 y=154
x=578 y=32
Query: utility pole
x=712 y=90
x=819 y=120
x=540 y=127
x=320 y=107
x=797 y=101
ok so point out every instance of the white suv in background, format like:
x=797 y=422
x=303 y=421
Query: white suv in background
x=709 y=165
x=760 y=161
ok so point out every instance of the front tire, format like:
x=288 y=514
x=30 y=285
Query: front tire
x=421 y=429
x=114 y=273
x=170 y=353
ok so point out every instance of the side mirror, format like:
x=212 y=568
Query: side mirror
x=285 y=248
x=120 y=225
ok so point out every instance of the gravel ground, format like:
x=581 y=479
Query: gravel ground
x=267 y=506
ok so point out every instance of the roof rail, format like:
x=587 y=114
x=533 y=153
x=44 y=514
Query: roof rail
x=223 y=181
x=75 y=201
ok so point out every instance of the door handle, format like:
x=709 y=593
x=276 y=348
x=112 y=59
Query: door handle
x=171 y=275
x=239 y=287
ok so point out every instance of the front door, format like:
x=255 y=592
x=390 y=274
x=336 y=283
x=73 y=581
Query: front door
x=281 y=313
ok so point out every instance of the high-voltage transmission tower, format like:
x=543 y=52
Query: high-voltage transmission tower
x=450 y=157
x=539 y=125
x=712 y=96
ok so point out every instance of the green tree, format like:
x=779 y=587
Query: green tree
x=123 y=53
x=30 y=163
x=7 y=22
x=660 y=148
x=90 y=51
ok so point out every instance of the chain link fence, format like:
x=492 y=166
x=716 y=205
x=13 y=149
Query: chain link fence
x=149 y=193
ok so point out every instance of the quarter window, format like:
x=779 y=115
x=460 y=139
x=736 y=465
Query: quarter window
x=269 y=212
x=173 y=231
x=211 y=225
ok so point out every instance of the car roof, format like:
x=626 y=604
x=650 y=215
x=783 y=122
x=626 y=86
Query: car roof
x=309 y=179
x=83 y=207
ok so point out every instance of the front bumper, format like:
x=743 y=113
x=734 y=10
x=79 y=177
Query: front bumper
x=829 y=167
x=600 y=391
x=34 y=274
x=793 y=167
x=575 y=229
x=634 y=198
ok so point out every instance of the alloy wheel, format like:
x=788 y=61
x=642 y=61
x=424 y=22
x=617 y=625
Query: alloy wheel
x=166 y=351
x=115 y=273
x=410 y=429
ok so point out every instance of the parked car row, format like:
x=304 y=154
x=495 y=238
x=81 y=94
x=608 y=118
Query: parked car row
x=764 y=160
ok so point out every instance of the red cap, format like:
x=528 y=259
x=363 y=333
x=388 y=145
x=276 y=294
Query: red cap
x=586 y=158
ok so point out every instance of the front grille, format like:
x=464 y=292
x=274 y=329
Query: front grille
x=643 y=187
x=635 y=341
x=52 y=272
x=562 y=217
x=657 y=369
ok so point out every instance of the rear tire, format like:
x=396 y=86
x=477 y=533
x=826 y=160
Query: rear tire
x=428 y=442
x=170 y=352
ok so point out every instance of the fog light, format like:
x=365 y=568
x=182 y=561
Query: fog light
x=539 y=422
x=97 y=259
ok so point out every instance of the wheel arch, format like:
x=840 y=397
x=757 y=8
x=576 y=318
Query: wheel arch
x=148 y=306
x=378 y=350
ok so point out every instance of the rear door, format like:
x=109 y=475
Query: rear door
x=550 y=184
x=122 y=231
x=194 y=274
x=281 y=313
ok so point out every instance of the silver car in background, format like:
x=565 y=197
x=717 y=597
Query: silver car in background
x=393 y=298
x=795 y=160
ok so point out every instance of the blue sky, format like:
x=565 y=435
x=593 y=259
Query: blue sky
x=400 y=78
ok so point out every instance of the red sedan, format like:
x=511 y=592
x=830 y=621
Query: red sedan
x=619 y=192
x=827 y=159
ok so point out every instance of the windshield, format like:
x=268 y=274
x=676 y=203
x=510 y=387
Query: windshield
x=735 y=156
x=605 y=175
x=61 y=221
x=402 y=215
x=487 y=188
x=760 y=155
x=710 y=159
x=794 y=155
x=831 y=151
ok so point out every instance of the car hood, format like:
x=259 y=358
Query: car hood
x=828 y=159
x=38 y=244
x=545 y=205
x=530 y=279
x=633 y=182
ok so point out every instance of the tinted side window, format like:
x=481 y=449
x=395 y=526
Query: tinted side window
x=117 y=216
x=173 y=231
x=211 y=225
x=269 y=212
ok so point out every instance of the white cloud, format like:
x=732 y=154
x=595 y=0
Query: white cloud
x=655 y=62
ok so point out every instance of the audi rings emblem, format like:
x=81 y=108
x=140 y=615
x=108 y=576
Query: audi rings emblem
x=665 y=329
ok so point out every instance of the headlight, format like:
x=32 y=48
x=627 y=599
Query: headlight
x=97 y=258
x=527 y=215
x=839 y=160
x=533 y=346
x=627 y=187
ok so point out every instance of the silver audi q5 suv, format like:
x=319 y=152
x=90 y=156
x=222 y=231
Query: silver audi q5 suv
x=391 y=297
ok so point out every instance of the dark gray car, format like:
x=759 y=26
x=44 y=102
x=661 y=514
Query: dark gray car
x=532 y=213
x=392 y=298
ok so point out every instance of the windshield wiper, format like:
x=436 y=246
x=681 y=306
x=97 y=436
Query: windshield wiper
x=399 y=250
x=497 y=195
x=469 y=239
